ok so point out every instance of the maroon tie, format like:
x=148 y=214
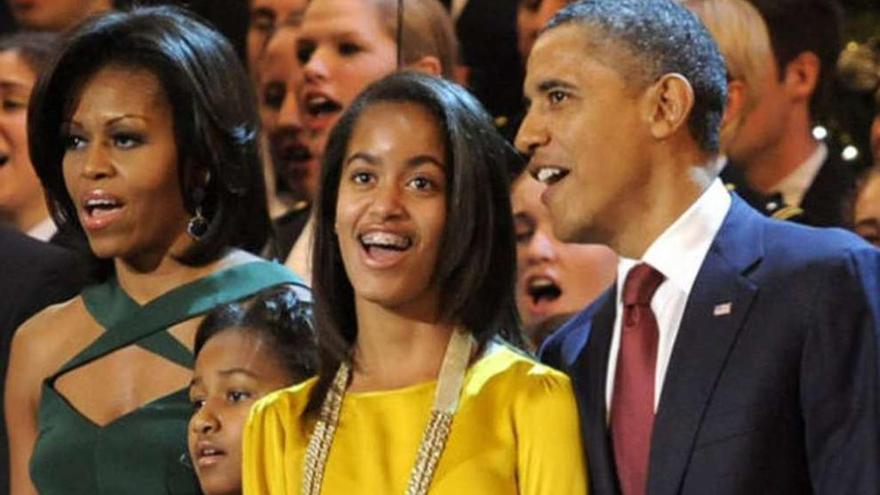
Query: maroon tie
x=632 y=404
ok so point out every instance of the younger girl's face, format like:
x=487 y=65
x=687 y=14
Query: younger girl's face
x=234 y=368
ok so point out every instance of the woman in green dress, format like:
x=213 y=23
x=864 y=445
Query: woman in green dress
x=144 y=133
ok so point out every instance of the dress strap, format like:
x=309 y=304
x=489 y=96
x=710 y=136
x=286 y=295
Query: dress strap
x=127 y=323
x=165 y=345
x=108 y=303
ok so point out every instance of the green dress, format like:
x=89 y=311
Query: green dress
x=143 y=451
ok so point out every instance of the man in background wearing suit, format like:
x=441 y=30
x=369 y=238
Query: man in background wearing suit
x=775 y=156
x=736 y=354
x=33 y=275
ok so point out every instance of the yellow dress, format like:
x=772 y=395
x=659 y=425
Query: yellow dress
x=516 y=432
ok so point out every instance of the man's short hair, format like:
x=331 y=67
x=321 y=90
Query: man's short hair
x=798 y=26
x=658 y=37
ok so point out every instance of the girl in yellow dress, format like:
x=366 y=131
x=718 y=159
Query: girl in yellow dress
x=413 y=276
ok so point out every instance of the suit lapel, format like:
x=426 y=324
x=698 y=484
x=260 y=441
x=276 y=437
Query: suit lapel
x=716 y=309
x=590 y=369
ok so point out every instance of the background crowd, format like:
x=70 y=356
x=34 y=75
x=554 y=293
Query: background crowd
x=234 y=165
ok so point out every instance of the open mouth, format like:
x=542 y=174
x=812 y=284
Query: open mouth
x=98 y=208
x=321 y=106
x=385 y=241
x=549 y=175
x=291 y=155
x=383 y=248
x=543 y=289
x=294 y=153
x=208 y=455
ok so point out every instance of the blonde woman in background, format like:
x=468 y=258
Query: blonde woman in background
x=741 y=35
x=343 y=46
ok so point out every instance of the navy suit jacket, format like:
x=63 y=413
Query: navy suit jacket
x=778 y=396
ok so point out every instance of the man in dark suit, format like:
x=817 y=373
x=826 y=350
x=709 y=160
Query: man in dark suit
x=775 y=153
x=33 y=275
x=736 y=354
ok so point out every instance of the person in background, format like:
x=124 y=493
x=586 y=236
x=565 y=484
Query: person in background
x=35 y=275
x=866 y=207
x=266 y=17
x=554 y=279
x=54 y=15
x=859 y=70
x=741 y=35
x=22 y=203
x=775 y=150
x=531 y=16
x=243 y=351
x=414 y=273
x=294 y=168
x=144 y=132
x=342 y=47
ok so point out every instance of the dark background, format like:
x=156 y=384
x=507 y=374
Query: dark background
x=848 y=124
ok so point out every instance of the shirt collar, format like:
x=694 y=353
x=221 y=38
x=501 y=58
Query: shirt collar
x=44 y=230
x=795 y=185
x=679 y=251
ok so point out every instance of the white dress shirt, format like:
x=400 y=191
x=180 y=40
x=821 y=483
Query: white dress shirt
x=795 y=185
x=44 y=230
x=678 y=254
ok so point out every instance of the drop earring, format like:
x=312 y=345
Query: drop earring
x=198 y=225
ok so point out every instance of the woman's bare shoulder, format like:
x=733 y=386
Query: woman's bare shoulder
x=55 y=334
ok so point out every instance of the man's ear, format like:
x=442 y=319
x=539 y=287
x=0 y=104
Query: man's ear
x=668 y=103
x=428 y=64
x=802 y=75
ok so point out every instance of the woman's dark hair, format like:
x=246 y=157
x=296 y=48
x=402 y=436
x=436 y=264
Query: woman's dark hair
x=216 y=123
x=282 y=316
x=34 y=47
x=475 y=271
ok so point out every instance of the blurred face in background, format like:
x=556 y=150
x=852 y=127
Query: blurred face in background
x=866 y=219
x=531 y=16
x=266 y=16
x=763 y=120
x=343 y=46
x=54 y=15
x=21 y=196
x=554 y=279
x=294 y=165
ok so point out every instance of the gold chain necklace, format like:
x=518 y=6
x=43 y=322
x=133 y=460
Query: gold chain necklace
x=449 y=383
